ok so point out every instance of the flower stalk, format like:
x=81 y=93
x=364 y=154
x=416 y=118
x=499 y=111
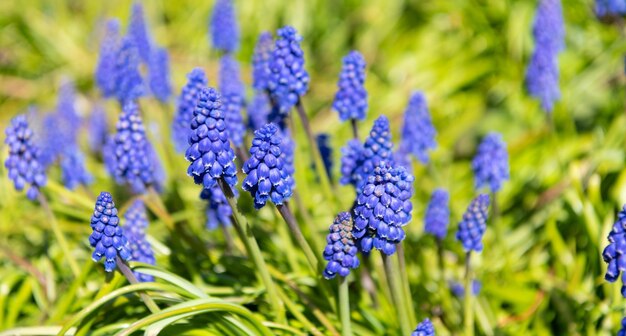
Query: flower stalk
x=468 y=297
x=344 y=307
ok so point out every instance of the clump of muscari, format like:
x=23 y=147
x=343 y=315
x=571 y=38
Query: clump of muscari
x=326 y=151
x=23 y=163
x=128 y=82
x=73 y=170
x=261 y=61
x=233 y=93
x=340 y=251
x=218 y=211
x=351 y=98
x=424 y=328
x=418 y=132
x=258 y=111
x=134 y=229
x=187 y=101
x=474 y=223
x=615 y=253
x=107 y=237
x=224 y=27
x=138 y=31
x=266 y=176
x=158 y=74
x=108 y=58
x=437 y=214
x=491 y=163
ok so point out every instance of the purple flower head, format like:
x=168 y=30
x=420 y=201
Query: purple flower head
x=340 y=251
x=136 y=223
x=474 y=223
x=425 y=328
x=23 y=163
x=159 y=74
x=382 y=208
x=258 y=111
x=287 y=148
x=418 y=132
x=458 y=289
x=266 y=175
x=107 y=237
x=622 y=331
x=196 y=80
x=491 y=163
x=351 y=160
x=351 y=98
x=377 y=148
x=326 y=151
x=615 y=253
x=289 y=80
x=233 y=93
x=128 y=82
x=542 y=75
x=402 y=157
x=610 y=8
x=108 y=157
x=209 y=150
x=138 y=31
x=218 y=211
x=107 y=59
x=98 y=128
x=73 y=170
x=437 y=214
x=224 y=27
x=261 y=61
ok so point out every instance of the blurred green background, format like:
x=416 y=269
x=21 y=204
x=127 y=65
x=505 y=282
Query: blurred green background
x=542 y=270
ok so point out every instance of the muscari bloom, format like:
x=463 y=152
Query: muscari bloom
x=437 y=214
x=128 y=82
x=224 y=27
x=73 y=170
x=326 y=152
x=340 y=251
x=622 y=331
x=266 y=176
x=287 y=148
x=196 y=80
x=218 y=211
x=458 y=289
x=134 y=158
x=138 y=31
x=615 y=253
x=351 y=98
x=351 y=159
x=134 y=229
x=425 y=328
x=491 y=163
x=107 y=237
x=233 y=92
x=261 y=61
x=382 y=208
x=542 y=75
x=209 y=150
x=610 y=8
x=22 y=163
x=258 y=111
x=108 y=57
x=474 y=223
x=159 y=74
x=98 y=128
x=418 y=132
x=288 y=80
x=377 y=148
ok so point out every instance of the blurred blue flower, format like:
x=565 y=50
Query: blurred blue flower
x=98 y=128
x=608 y=8
x=340 y=251
x=128 y=82
x=326 y=151
x=622 y=331
x=134 y=229
x=159 y=74
x=491 y=163
x=138 y=31
x=437 y=214
x=73 y=170
x=218 y=211
x=382 y=208
x=615 y=253
x=224 y=27
x=258 y=110
x=474 y=223
x=377 y=148
x=458 y=289
x=418 y=132
x=23 y=163
x=261 y=61
x=108 y=157
x=287 y=148
x=105 y=69
x=181 y=128
x=209 y=149
x=233 y=93
x=351 y=97
x=424 y=328
x=266 y=176
x=351 y=160
x=107 y=237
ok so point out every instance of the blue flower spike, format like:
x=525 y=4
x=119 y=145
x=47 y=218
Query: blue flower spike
x=351 y=98
x=341 y=250
x=437 y=214
x=107 y=237
x=418 y=132
x=138 y=31
x=351 y=160
x=261 y=61
x=491 y=163
x=224 y=27
x=159 y=74
x=107 y=59
x=233 y=93
x=425 y=328
x=474 y=224
x=218 y=211
x=126 y=76
x=615 y=253
x=187 y=101
x=378 y=147
x=134 y=229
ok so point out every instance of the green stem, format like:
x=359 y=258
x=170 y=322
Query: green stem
x=316 y=242
x=245 y=234
x=344 y=306
x=406 y=287
x=285 y=212
x=59 y=234
x=469 y=318
x=355 y=129
x=440 y=259
x=125 y=270
x=397 y=294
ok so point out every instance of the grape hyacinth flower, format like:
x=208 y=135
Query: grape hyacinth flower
x=128 y=82
x=138 y=31
x=340 y=251
x=418 y=132
x=266 y=176
x=437 y=214
x=382 y=208
x=425 y=328
x=610 y=8
x=233 y=92
x=196 y=80
x=287 y=148
x=377 y=148
x=98 y=128
x=458 y=290
x=351 y=98
x=288 y=80
x=218 y=211
x=66 y=110
x=108 y=57
x=73 y=170
x=542 y=75
x=402 y=157
x=351 y=160
x=224 y=27
x=159 y=74
x=491 y=163
x=209 y=150
x=474 y=223
x=134 y=229
x=261 y=61
x=108 y=157
x=258 y=111
x=622 y=331
x=107 y=237
x=22 y=163
x=133 y=153
x=326 y=152
x=615 y=253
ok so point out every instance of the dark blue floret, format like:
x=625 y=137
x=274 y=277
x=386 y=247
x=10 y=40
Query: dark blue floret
x=209 y=149
x=258 y=111
x=340 y=251
x=326 y=151
x=377 y=148
x=159 y=74
x=610 y=8
x=187 y=101
x=128 y=82
x=418 y=132
x=383 y=208
x=425 y=328
x=491 y=163
x=135 y=225
x=98 y=128
x=289 y=80
x=73 y=170
x=351 y=159
x=138 y=31
x=105 y=69
x=23 y=164
x=224 y=27
x=266 y=175
x=615 y=253
x=474 y=223
x=233 y=93
x=107 y=237
x=218 y=211
x=437 y=214
x=351 y=97
x=261 y=61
